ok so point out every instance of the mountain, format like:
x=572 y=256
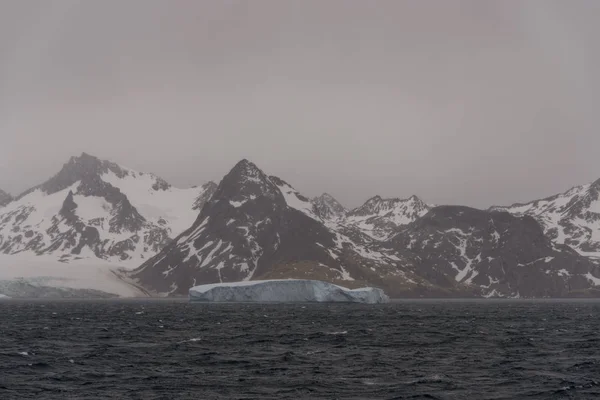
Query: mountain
x=495 y=254
x=327 y=207
x=254 y=226
x=571 y=218
x=259 y=227
x=95 y=208
x=380 y=218
x=5 y=198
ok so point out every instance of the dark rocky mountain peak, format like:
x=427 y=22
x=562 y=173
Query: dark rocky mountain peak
x=255 y=227
x=245 y=182
x=327 y=207
x=83 y=168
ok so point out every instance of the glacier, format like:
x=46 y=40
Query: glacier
x=29 y=276
x=285 y=291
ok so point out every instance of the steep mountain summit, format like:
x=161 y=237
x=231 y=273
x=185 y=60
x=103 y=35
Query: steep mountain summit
x=571 y=218
x=5 y=198
x=78 y=169
x=96 y=208
x=327 y=207
x=380 y=218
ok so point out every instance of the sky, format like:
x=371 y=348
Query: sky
x=460 y=102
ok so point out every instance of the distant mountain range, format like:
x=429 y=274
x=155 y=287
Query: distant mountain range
x=256 y=226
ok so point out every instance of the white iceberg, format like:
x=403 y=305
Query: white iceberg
x=285 y=291
x=3 y=297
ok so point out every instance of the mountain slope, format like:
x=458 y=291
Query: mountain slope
x=495 y=254
x=571 y=218
x=95 y=208
x=258 y=227
x=5 y=198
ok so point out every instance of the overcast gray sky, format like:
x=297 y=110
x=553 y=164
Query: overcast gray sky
x=466 y=102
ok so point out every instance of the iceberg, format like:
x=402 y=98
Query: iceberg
x=285 y=291
x=4 y=297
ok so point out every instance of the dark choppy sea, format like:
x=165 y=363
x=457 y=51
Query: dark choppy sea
x=404 y=350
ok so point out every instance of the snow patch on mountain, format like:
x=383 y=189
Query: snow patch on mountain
x=295 y=200
x=172 y=205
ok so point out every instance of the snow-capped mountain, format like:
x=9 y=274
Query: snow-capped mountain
x=571 y=218
x=5 y=198
x=254 y=226
x=380 y=218
x=259 y=227
x=94 y=208
x=327 y=207
x=494 y=254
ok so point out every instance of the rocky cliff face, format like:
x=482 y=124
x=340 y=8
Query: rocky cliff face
x=95 y=208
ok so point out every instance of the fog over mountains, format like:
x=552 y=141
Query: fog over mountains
x=254 y=226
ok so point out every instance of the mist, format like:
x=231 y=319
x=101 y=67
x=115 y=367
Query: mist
x=459 y=102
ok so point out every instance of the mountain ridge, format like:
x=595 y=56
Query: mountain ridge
x=258 y=226
x=252 y=225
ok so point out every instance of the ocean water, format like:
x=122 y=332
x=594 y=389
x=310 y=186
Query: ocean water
x=405 y=350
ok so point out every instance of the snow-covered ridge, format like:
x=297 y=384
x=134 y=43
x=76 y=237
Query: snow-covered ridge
x=285 y=290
